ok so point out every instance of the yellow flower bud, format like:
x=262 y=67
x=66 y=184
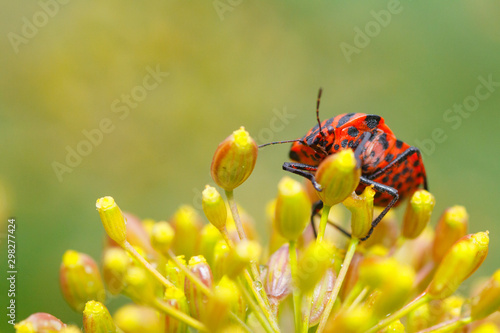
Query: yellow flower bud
x=293 y=209
x=221 y=258
x=488 y=300
x=451 y=226
x=162 y=236
x=486 y=328
x=218 y=307
x=361 y=207
x=356 y=320
x=234 y=160
x=394 y=327
x=420 y=318
x=187 y=225
x=115 y=264
x=96 y=318
x=70 y=329
x=112 y=219
x=278 y=278
x=417 y=214
x=196 y=299
x=39 y=322
x=338 y=175
x=244 y=252
x=321 y=296
x=214 y=207
x=80 y=280
x=174 y=274
x=313 y=263
x=176 y=299
x=133 y=318
x=463 y=258
x=209 y=236
x=140 y=286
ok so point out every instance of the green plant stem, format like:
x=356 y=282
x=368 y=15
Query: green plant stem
x=338 y=283
x=255 y=308
x=253 y=264
x=296 y=292
x=307 y=315
x=179 y=315
x=448 y=326
x=417 y=302
x=323 y=222
x=133 y=252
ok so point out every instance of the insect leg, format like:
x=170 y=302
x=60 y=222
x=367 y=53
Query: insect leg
x=317 y=206
x=303 y=170
x=382 y=189
x=400 y=159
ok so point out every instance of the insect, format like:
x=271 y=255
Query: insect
x=394 y=168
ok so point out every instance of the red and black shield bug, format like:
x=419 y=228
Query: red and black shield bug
x=394 y=168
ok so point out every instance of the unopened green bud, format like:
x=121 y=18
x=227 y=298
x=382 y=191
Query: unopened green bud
x=488 y=300
x=115 y=264
x=338 y=176
x=162 y=236
x=361 y=207
x=196 y=299
x=214 y=207
x=174 y=274
x=187 y=225
x=320 y=297
x=313 y=263
x=96 y=319
x=80 y=280
x=234 y=160
x=112 y=219
x=451 y=227
x=278 y=278
x=133 y=318
x=463 y=258
x=139 y=286
x=39 y=322
x=177 y=300
x=208 y=238
x=243 y=253
x=293 y=209
x=486 y=328
x=417 y=214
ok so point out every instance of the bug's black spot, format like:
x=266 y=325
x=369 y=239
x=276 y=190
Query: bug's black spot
x=336 y=147
x=410 y=180
x=372 y=154
x=420 y=175
x=377 y=160
x=389 y=157
x=293 y=155
x=389 y=172
x=329 y=147
x=353 y=131
x=317 y=156
x=416 y=163
x=405 y=171
x=344 y=143
x=395 y=178
x=384 y=202
x=399 y=144
x=351 y=144
x=399 y=186
x=372 y=121
x=383 y=141
x=344 y=119
x=305 y=154
x=385 y=179
x=364 y=167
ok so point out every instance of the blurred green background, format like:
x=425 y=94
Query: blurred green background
x=229 y=64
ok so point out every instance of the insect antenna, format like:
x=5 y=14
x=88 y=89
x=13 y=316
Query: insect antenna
x=278 y=142
x=317 y=111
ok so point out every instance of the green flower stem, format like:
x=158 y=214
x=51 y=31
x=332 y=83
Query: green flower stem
x=242 y=235
x=417 y=302
x=296 y=292
x=255 y=308
x=448 y=326
x=323 y=222
x=307 y=316
x=179 y=315
x=133 y=252
x=340 y=279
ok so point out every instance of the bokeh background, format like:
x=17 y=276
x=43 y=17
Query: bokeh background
x=229 y=63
